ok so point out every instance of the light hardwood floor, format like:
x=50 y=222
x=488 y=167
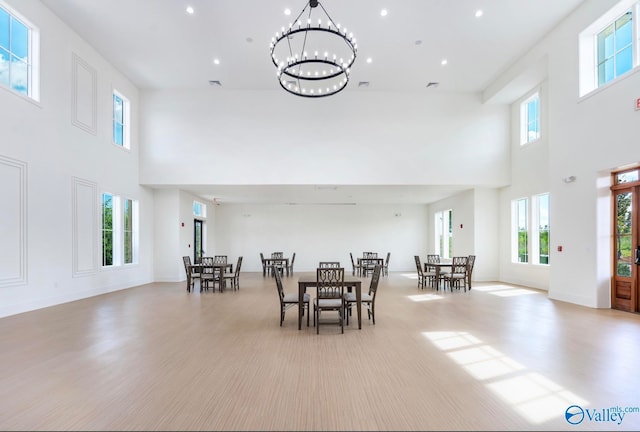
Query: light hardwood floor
x=155 y=357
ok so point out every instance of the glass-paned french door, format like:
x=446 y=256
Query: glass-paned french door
x=197 y=241
x=626 y=242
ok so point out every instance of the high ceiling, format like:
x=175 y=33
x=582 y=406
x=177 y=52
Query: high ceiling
x=158 y=45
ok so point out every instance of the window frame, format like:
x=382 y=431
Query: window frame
x=124 y=122
x=527 y=221
x=538 y=230
x=32 y=59
x=103 y=230
x=588 y=47
x=525 y=120
x=602 y=59
x=199 y=209
x=443 y=229
x=124 y=238
x=517 y=228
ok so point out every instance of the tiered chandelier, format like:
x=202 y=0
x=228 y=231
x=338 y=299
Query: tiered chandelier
x=313 y=58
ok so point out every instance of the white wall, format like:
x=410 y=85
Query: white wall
x=474 y=229
x=530 y=177
x=486 y=231
x=249 y=137
x=587 y=138
x=49 y=140
x=321 y=233
x=169 y=247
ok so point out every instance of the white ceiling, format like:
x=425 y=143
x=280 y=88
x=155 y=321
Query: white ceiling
x=158 y=45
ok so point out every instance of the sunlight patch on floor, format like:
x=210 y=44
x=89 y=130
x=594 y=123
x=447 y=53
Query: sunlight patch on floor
x=513 y=292
x=489 y=288
x=505 y=290
x=533 y=396
x=424 y=297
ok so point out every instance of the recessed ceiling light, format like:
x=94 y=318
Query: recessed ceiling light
x=190 y=10
x=479 y=13
x=369 y=60
x=418 y=42
x=216 y=61
x=215 y=83
x=287 y=11
x=249 y=39
x=363 y=84
x=383 y=12
x=433 y=84
x=444 y=62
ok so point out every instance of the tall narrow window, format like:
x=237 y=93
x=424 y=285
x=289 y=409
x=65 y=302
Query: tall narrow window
x=443 y=233
x=119 y=230
x=542 y=237
x=107 y=229
x=521 y=230
x=615 y=49
x=530 y=119
x=120 y=120
x=19 y=42
x=128 y=231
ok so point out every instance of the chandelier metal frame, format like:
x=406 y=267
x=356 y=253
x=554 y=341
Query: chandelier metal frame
x=307 y=75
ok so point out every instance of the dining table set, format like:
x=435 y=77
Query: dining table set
x=455 y=271
x=310 y=281
x=368 y=262
x=211 y=270
x=276 y=260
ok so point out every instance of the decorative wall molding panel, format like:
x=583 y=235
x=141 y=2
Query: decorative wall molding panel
x=84 y=105
x=13 y=222
x=84 y=201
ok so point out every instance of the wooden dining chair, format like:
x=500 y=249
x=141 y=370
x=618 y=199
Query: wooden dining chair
x=192 y=271
x=368 y=300
x=368 y=262
x=329 y=264
x=220 y=259
x=431 y=271
x=291 y=299
x=290 y=269
x=471 y=262
x=233 y=278
x=385 y=267
x=280 y=265
x=422 y=277
x=458 y=273
x=264 y=264
x=329 y=295
x=210 y=274
x=357 y=268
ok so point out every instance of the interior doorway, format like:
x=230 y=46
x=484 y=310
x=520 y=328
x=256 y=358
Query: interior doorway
x=626 y=240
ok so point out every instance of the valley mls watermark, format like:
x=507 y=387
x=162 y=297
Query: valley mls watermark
x=575 y=414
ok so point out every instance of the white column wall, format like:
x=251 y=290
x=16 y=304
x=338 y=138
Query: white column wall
x=55 y=151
